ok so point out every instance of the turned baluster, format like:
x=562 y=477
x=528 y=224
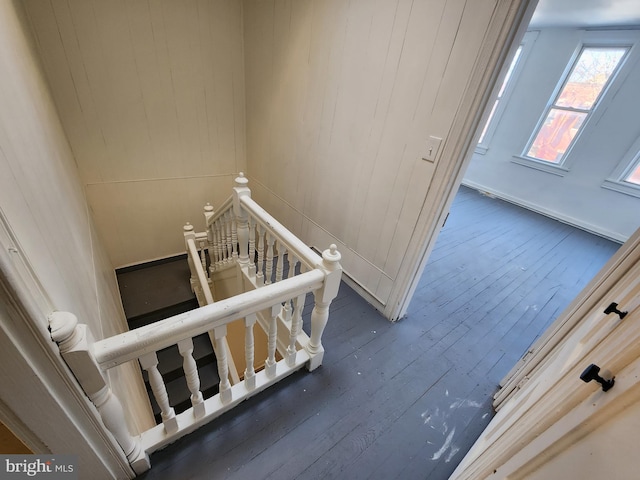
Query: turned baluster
x=213 y=251
x=292 y=265
x=223 y=367
x=252 y=247
x=259 y=274
x=149 y=363
x=323 y=297
x=296 y=328
x=270 y=362
x=75 y=343
x=185 y=347
x=234 y=235
x=268 y=271
x=223 y=230
x=249 y=349
x=219 y=230
x=227 y=221
x=280 y=264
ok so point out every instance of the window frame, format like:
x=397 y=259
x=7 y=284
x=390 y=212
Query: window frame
x=630 y=161
x=590 y=39
x=492 y=122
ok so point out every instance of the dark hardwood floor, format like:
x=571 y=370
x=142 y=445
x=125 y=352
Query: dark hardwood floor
x=406 y=400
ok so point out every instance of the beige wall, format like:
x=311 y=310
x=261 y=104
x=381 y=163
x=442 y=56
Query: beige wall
x=42 y=201
x=341 y=98
x=151 y=98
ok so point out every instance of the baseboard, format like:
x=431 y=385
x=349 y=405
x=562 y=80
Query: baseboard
x=150 y=263
x=587 y=227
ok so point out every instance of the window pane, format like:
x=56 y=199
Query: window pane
x=589 y=76
x=510 y=71
x=634 y=176
x=556 y=134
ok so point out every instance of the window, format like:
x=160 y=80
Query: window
x=580 y=93
x=501 y=92
x=505 y=90
x=626 y=177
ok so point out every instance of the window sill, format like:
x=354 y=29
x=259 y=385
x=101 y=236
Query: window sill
x=622 y=187
x=540 y=165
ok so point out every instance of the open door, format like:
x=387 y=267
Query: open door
x=551 y=424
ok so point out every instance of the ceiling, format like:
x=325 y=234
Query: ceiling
x=586 y=13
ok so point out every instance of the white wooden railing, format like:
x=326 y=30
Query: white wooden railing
x=239 y=235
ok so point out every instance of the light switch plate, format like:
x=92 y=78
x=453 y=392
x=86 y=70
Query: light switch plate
x=431 y=149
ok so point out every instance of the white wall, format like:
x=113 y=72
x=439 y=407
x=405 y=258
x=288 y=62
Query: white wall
x=42 y=202
x=151 y=97
x=341 y=98
x=578 y=197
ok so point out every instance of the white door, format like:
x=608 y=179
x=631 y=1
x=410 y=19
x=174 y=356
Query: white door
x=551 y=424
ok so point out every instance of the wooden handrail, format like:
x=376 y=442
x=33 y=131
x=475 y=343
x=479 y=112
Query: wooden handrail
x=130 y=345
x=202 y=276
x=293 y=243
x=226 y=205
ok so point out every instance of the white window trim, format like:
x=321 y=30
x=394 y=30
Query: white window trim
x=616 y=181
x=592 y=38
x=527 y=44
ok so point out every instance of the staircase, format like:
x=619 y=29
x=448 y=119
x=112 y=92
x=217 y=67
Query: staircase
x=152 y=292
x=251 y=277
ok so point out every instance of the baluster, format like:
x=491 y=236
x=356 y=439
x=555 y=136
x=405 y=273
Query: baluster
x=223 y=367
x=270 y=362
x=149 y=362
x=185 y=347
x=203 y=256
x=268 y=271
x=234 y=235
x=227 y=221
x=76 y=343
x=323 y=297
x=213 y=251
x=249 y=350
x=219 y=230
x=292 y=265
x=252 y=247
x=280 y=264
x=259 y=275
x=223 y=229
x=208 y=213
x=296 y=327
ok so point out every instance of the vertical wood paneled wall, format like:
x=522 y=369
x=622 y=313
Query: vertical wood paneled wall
x=43 y=205
x=341 y=98
x=151 y=98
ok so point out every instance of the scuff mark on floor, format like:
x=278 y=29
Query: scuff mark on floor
x=445 y=446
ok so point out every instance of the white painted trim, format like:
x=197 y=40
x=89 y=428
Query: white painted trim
x=547 y=167
x=43 y=377
x=504 y=33
x=561 y=217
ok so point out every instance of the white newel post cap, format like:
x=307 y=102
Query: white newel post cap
x=241 y=180
x=188 y=228
x=207 y=208
x=62 y=326
x=331 y=256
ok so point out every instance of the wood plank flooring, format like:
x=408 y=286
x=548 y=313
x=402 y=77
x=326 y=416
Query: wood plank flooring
x=406 y=400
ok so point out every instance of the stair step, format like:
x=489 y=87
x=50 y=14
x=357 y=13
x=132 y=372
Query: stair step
x=179 y=394
x=162 y=313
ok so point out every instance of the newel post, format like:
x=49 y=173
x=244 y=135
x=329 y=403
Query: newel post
x=74 y=341
x=242 y=218
x=323 y=297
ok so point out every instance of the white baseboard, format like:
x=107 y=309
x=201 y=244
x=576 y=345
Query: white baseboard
x=574 y=222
